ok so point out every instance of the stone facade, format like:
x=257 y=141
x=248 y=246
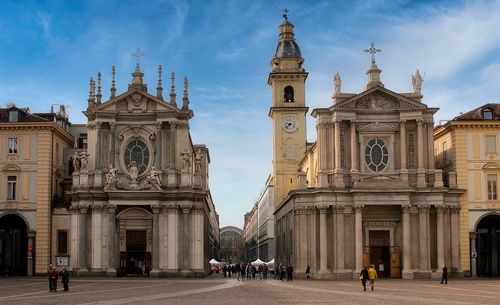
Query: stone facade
x=140 y=200
x=366 y=192
x=469 y=146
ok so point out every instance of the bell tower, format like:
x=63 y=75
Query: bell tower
x=287 y=80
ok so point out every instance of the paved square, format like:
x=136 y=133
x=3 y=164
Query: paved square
x=216 y=290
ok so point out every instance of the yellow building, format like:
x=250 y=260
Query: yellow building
x=469 y=146
x=31 y=163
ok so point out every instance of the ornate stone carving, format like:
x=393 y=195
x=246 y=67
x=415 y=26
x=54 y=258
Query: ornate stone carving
x=417 y=81
x=186 y=162
x=111 y=177
x=423 y=209
x=377 y=126
x=376 y=102
x=300 y=210
x=323 y=209
x=154 y=177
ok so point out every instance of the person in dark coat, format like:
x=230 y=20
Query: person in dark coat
x=65 y=278
x=289 y=273
x=53 y=275
x=308 y=272
x=363 y=276
x=444 y=278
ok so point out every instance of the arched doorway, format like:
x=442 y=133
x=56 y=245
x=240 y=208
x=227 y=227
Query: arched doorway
x=13 y=245
x=488 y=246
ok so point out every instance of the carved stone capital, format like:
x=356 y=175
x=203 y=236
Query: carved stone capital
x=323 y=209
x=454 y=209
x=155 y=208
x=300 y=210
x=440 y=209
x=338 y=209
x=111 y=209
x=423 y=209
x=97 y=208
x=83 y=209
x=357 y=208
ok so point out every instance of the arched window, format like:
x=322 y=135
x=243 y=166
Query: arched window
x=487 y=114
x=288 y=94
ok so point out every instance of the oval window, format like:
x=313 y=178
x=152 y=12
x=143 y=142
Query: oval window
x=137 y=151
x=376 y=155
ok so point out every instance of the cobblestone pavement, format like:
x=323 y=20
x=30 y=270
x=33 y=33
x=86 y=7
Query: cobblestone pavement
x=216 y=290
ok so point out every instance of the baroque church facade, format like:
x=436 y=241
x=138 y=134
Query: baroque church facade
x=367 y=191
x=140 y=198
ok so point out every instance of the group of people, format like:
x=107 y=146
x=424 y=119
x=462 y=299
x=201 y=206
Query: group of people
x=53 y=275
x=368 y=275
x=246 y=271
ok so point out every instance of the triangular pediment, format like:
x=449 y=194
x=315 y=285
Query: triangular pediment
x=379 y=99
x=135 y=100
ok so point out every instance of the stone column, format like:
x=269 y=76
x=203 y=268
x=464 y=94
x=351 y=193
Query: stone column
x=354 y=153
x=424 y=245
x=312 y=241
x=406 y=242
x=75 y=237
x=339 y=177
x=82 y=241
x=440 y=236
x=358 y=237
x=323 y=254
x=322 y=156
x=339 y=236
x=173 y=148
x=404 y=155
x=198 y=240
x=98 y=145
x=96 y=238
x=112 y=156
x=455 y=237
x=420 y=154
x=155 y=271
x=173 y=239
x=111 y=272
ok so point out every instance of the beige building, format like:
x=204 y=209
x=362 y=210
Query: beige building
x=31 y=172
x=367 y=191
x=469 y=146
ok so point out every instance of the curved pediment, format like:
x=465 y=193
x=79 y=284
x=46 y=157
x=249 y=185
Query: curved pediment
x=379 y=99
x=11 y=168
x=491 y=166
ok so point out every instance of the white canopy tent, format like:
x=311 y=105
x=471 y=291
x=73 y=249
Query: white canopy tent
x=270 y=264
x=257 y=262
x=213 y=261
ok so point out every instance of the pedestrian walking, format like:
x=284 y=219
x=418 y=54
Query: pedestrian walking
x=242 y=270
x=289 y=273
x=308 y=272
x=363 y=276
x=237 y=270
x=65 y=278
x=282 y=272
x=372 y=275
x=444 y=278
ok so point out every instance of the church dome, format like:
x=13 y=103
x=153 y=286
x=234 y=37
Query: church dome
x=287 y=47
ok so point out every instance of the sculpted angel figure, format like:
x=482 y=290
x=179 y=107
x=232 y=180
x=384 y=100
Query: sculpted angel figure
x=337 y=82
x=417 y=82
x=76 y=162
x=186 y=161
x=197 y=166
x=84 y=159
x=111 y=176
x=154 y=176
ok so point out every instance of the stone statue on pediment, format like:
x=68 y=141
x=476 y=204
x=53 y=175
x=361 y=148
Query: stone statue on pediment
x=134 y=171
x=198 y=160
x=417 y=81
x=337 y=82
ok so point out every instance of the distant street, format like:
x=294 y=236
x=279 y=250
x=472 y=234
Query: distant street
x=217 y=290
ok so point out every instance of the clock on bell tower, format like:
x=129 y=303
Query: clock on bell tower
x=288 y=111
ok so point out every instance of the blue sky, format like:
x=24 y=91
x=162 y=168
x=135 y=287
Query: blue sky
x=49 y=49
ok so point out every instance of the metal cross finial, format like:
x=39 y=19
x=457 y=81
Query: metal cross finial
x=285 y=15
x=138 y=54
x=372 y=50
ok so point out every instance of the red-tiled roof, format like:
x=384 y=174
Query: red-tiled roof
x=477 y=114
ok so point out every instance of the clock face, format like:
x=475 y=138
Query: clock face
x=289 y=124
